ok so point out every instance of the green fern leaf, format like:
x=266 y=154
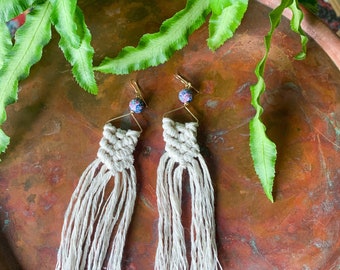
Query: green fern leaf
x=263 y=150
x=12 y=8
x=295 y=25
x=63 y=19
x=264 y=154
x=8 y=10
x=155 y=49
x=217 y=6
x=225 y=19
x=81 y=58
x=5 y=42
x=4 y=141
x=27 y=50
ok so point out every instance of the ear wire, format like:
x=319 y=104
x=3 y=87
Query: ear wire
x=137 y=90
x=185 y=96
x=136 y=105
x=186 y=83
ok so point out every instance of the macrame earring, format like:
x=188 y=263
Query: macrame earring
x=98 y=215
x=182 y=156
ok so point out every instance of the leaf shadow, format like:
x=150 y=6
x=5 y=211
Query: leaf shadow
x=22 y=123
x=8 y=260
x=281 y=110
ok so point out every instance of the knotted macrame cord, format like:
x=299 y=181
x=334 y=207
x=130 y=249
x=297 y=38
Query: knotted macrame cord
x=91 y=219
x=182 y=154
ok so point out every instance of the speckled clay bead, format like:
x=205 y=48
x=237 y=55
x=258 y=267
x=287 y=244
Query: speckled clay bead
x=137 y=105
x=185 y=96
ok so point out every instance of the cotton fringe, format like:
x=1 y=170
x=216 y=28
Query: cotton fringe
x=182 y=154
x=96 y=223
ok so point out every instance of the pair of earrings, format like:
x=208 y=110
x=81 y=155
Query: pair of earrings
x=96 y=221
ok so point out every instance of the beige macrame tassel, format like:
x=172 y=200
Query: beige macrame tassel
x=97 y=219
x=182 y=154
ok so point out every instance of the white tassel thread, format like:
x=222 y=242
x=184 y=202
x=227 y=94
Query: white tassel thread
x=92 y=220
x=182 y=154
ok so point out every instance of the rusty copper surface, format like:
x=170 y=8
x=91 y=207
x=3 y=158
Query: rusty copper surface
x=55 y=128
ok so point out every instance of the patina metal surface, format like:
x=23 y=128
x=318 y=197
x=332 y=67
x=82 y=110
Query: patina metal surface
x=55 y=129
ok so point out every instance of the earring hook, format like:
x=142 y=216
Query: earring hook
x=137 y=90
x=136 y=105
x=185 y=96
x=186 y=83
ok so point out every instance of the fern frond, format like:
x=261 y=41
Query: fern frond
x=5 y=42
x=154 y=49
x=27 y=50
x=263 y=150
x=12 y=8
x=295 y=25
x=225 y=19
x=81 y=58
x=63 y=13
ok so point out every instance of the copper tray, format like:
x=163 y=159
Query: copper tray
x=55 y=128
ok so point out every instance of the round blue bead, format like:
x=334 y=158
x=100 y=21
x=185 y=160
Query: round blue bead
x=137 y=105
x=185 y=96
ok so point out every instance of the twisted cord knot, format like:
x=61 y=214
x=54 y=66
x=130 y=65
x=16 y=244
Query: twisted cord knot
x=116 y=147
x=180 y=140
